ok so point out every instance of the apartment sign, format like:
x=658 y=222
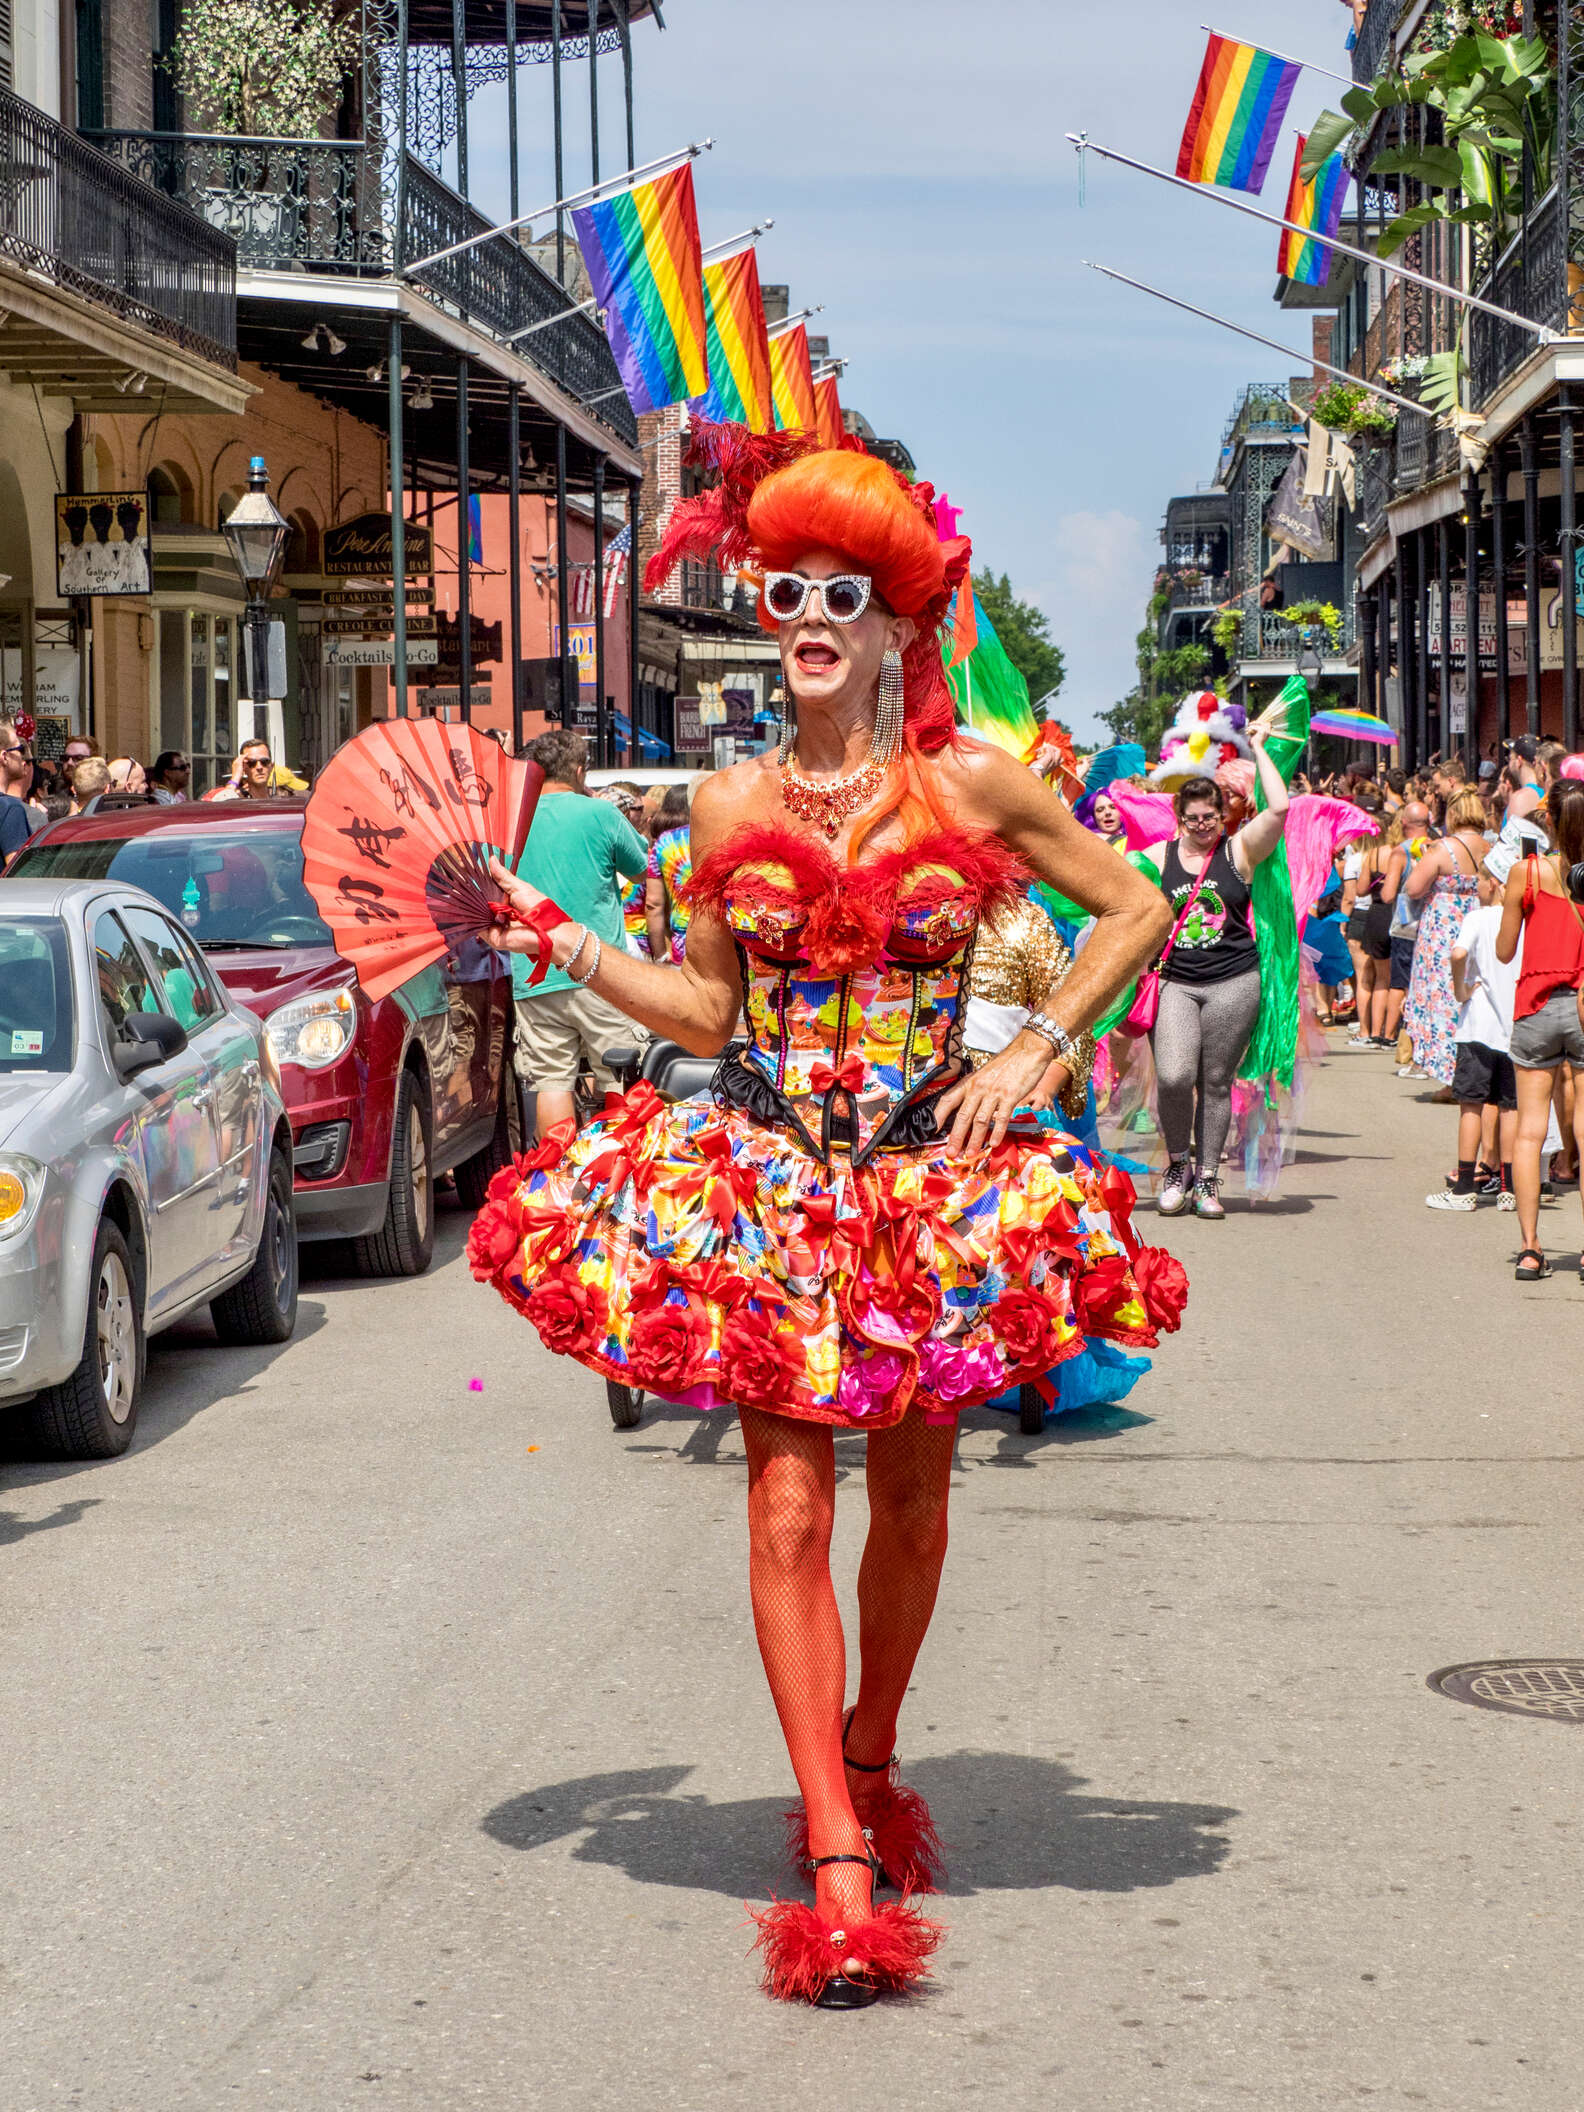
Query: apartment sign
x=1458 y=602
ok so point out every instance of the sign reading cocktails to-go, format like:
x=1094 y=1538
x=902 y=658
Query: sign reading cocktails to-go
x=362 y=548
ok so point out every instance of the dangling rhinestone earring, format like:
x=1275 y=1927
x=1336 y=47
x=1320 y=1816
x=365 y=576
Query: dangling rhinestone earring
x=888 y=716
x=786 y=726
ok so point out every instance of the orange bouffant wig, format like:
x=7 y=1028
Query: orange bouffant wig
x=781 y=495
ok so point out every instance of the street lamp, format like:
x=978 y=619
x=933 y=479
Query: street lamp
x=258 y=532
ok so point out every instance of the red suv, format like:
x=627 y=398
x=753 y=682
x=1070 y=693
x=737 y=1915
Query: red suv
x=383 y=1098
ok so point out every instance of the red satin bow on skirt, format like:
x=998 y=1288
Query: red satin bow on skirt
x=849 y=1073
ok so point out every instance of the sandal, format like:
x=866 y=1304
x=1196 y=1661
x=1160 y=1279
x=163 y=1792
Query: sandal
x=1535 y=1275
x=809 y=1957
x=896 y=1823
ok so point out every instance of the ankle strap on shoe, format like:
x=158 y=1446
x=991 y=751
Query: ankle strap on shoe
x=823 y=1862
x=861 y=1767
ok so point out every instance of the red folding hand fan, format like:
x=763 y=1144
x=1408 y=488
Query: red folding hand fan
x=397 y=839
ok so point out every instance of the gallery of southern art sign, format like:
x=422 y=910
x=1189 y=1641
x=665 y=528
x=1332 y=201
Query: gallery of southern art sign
x=101 y=542
x=361 y=548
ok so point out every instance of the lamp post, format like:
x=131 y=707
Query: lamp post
x=257 y=532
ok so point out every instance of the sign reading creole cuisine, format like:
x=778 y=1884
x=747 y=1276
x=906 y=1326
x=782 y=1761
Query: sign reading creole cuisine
x=362 y=547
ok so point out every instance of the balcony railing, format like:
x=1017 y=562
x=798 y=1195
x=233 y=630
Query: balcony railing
x=1376 y=475
x=1268 y=636
x=71 y=214
x=1263 y=408
x=705 y=586
x=1531 y=278
x=326 y=205
x=1374 y=38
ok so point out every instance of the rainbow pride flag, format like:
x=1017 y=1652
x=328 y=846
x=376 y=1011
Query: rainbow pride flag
x=792 y=381
x=1236 y=114
x=1317 y=205
x=828 y=411
x=645 y=263
x=739 y=351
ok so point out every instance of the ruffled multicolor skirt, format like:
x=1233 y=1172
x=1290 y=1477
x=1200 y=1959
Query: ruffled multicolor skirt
x=694 y=1252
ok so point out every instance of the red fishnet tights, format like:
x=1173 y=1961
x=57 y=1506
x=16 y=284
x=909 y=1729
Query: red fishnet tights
x=791 y=1505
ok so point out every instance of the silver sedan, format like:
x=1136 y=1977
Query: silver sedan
x=145 y=1157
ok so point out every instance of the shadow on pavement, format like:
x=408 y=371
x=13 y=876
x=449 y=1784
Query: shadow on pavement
x=1010 y=1821
x=13 y=1528
x=189 y=1369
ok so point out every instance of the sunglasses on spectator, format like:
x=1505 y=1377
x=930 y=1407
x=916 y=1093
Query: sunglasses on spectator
x=843 y=597
x=253 y=762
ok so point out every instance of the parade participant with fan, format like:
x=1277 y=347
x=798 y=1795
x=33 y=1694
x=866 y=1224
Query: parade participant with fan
x=852 y=1233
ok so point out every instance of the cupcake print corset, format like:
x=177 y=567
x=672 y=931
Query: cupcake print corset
x=852 y=980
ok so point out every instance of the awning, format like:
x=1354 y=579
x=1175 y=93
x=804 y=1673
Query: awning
x=650 y=744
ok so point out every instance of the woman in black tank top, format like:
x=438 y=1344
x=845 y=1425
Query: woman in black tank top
x=1209 y=979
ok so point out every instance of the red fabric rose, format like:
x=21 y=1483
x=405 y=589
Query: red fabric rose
x=1099 y=1290
x=845 y=931
x=492 y=1242
x=757 y=1369
x=1163 y=1286
x=569 y=1315
x=1026 y=1326
x=667 y=1345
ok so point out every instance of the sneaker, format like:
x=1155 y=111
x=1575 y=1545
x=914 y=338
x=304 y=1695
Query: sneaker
x=1356 y=1040
x=1506 y=1200
x=1411 y=1070
x=1451 y=1199
x=1487 y=1182
x=1207 y=1197
x=1175 y=1189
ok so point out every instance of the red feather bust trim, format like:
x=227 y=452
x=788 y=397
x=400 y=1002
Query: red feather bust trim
x=993 y=877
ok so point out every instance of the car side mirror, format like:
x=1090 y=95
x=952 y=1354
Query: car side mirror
x=147 y=1039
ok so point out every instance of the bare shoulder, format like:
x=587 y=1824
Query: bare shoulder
x=728 y=798
x=989 y=786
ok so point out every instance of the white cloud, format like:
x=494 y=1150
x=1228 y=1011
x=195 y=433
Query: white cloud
x=1101 y=568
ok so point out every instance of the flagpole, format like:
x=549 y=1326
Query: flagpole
x=712 y=255
x=1286 y=57
x=787 y=321
x=1544 y=335
x=734 y=243
x=558 y=205
x=1306 y=359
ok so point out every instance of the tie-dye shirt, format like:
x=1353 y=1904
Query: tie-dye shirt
x=671 y=863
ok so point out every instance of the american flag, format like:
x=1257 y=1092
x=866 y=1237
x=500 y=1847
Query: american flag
x=616 y=554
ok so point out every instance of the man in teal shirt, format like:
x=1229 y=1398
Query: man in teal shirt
x=577 y=847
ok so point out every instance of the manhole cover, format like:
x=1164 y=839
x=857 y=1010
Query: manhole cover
x=1518 y=1686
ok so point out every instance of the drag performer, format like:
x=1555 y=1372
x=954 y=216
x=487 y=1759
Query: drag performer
x=852 y=1231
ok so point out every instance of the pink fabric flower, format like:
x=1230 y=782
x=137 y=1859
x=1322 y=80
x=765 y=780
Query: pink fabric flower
x=869 y=1384
x=953 y=1372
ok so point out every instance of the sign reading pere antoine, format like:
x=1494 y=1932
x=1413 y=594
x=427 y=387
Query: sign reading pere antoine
x=101 y=542
x=362 y=547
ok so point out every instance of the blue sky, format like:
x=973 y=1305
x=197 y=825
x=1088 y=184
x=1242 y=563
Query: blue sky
x=914 y=160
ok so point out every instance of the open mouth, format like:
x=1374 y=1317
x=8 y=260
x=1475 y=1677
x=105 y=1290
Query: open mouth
x=816 y=659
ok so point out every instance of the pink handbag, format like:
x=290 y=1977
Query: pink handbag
x=1141 y=1013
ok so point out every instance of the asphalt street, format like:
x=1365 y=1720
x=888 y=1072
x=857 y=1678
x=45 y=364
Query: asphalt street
x=373 y=1740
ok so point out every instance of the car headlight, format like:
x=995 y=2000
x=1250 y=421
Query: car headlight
x=313 y=1031
x=21 y=1192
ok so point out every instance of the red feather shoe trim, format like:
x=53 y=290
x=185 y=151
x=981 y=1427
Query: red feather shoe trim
x=902 y=1837
x=804 y=1950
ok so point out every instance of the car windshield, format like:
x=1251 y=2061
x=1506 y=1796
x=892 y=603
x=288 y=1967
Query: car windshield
x=35 y=996
x=241 y=887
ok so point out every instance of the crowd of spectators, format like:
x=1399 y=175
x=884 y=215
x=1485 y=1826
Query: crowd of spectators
x=1461 y=914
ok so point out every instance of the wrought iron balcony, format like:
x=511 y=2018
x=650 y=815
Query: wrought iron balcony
x=69 y=213
x=1263 y=411
x=1531 y=278
x=1373 y=41
x=331 y=206
x=705 y=586
x=1267 y=635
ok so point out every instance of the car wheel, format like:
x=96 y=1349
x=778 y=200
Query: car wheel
x=626 y=1404
x=1031 y=1411
x=474 y=1175
x=263 y=1306
x=404 y=1243
x=92 y=1414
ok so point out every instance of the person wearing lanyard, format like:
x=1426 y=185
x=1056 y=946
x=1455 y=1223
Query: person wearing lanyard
x=1209 y=979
